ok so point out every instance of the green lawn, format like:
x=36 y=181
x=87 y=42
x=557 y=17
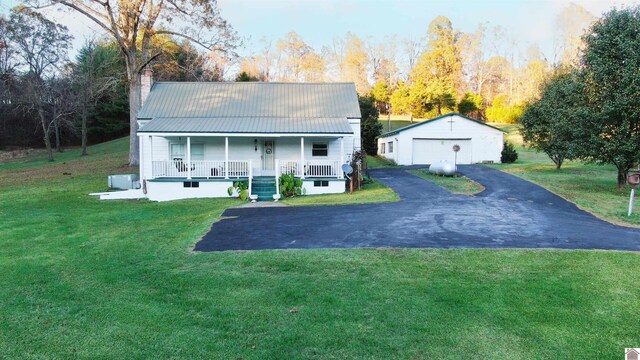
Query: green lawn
x=374 y=192
x=83 y=278
x=378 y=162
x=455 y=184
x=591 y=187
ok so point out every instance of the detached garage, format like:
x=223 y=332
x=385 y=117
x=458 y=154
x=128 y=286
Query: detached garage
x=433 y=140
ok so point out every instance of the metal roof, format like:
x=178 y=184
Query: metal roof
x=396 y=131
x=258 y=125
x=247 y=99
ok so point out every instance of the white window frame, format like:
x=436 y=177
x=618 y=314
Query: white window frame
x=382 y=147
x=390 y=147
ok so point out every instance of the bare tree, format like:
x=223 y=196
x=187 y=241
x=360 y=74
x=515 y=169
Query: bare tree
x=40 y=46
x=133 y=24
x=92 y=82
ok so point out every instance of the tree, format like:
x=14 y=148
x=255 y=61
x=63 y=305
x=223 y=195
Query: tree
x=438 y=72
x=611 y=61
x=93 y=80
x=551 y=124
x=41 y=46
x=133 y=25
x=400 y=99
x=501 y=111
x=298 y=61
x=350 y=59
x=381 y=93
x=245 y=77
x=470 y=104
x=371 y=128
x=572 y=23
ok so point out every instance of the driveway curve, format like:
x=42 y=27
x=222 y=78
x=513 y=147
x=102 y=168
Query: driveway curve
x=510 y=213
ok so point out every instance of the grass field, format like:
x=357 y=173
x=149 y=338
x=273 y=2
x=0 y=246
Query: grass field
x=374 y=192
x=84 y=278
x=591 y=187
x=455 y=184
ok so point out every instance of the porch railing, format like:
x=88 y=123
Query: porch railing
x=200 y=169
x=322 y=168
x=289 y=167
x=311 y=168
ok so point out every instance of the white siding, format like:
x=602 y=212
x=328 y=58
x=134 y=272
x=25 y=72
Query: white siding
x=243 y=149
x=486 y=142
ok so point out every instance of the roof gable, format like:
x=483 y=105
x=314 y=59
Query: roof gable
x=390 y=133
x=251 y=99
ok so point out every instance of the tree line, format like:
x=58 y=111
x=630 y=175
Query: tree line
x=590 y=112
x=51 y=100
x=486 y=74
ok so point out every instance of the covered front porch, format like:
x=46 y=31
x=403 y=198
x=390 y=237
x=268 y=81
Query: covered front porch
x=195 y=158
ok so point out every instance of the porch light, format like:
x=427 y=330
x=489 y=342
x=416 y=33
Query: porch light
x=255 y=145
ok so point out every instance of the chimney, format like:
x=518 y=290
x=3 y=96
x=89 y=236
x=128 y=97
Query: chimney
x=146 y=81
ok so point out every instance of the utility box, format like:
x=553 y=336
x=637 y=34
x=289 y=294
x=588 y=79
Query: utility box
x=123 y=182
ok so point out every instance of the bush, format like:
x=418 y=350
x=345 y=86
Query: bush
x=509 y=153
x=242 y=187
x=290 y=186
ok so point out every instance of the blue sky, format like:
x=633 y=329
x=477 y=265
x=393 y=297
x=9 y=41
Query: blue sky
x=319 y=21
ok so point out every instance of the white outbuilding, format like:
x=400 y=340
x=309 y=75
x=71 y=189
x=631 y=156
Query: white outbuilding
x=433 y=140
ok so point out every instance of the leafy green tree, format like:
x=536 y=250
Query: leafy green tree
x=611 y=61
x=501 y=111
x=244 y=77
x=435 y=96
x=438 y=70
x=381 y=93
x=370 y=127
x=550 y=124
x=400 y=99
x=470 y=104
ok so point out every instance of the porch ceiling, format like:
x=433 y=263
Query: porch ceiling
x=252 y=125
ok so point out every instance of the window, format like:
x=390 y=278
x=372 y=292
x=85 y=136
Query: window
x=320 y=149
x=321 y=183
x=197 y=151
x=191 y=184
x=178 y=152
x=390 y=147
x=382 y=148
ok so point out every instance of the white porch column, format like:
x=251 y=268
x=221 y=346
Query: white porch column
x=340 y=172
x=141 y=160
x=188 y=157
x=151 y=155
x=302 y=157
x=226 y=157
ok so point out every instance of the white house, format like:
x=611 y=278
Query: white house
x=433 y=140
x=196 y=139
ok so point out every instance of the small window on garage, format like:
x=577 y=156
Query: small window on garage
x=321 y=183
x=191 y=184
x=382 y=148
x=390 y=146
x=320 y=149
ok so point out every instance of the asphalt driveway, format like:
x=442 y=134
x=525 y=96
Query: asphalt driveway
x=510 y=213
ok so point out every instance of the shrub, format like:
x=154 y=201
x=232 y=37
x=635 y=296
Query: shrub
x=290 y=186
x=242 y=187
x=509 y=153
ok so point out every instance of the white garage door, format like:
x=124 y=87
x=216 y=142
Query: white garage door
x=429 y=151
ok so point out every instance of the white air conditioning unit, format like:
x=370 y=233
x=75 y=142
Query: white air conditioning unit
x=123 y=182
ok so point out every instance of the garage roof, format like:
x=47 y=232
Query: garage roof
x=394 y=132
